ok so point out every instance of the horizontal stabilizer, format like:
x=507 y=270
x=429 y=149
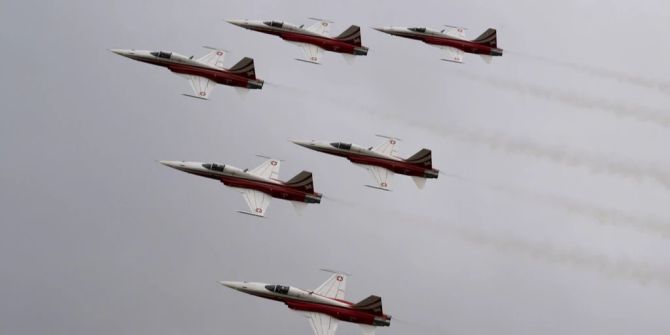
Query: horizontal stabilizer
x=420 y=182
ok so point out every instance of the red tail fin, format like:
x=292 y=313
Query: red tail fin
x=489 y=37
x=302 y=181
x=245 y=67
x=351 y=35
x=424 y=158
x=372 y=304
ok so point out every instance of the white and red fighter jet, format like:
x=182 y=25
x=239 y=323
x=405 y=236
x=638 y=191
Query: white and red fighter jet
x=313 y=40
x=202 y=73
x=381 y=160
x=452 y=41
x=258 y=185
x=323 y=306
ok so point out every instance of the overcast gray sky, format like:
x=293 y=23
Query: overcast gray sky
x=559 y=225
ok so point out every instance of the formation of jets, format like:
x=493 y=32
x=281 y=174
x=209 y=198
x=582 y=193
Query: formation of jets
x=325 y=305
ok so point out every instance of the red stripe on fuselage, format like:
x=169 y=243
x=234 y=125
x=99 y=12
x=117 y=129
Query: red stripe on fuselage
x=219 y=76
x=327 y=43
x=280 y=191
x=467 y=46
x=397 y=166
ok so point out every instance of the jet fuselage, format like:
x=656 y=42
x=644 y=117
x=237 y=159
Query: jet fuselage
x=308 y=301
x=188 y=66
x=359 y=155
x=293 y=33
x=235 y=177
x=440 y=39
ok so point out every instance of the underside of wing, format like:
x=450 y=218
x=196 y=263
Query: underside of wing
x=321 y=27
x=388 y=147
x=334 y=287
x=312 y=53
x=201 y=86
x=457 y=32
x=213 y=58
x=268 y=169
x=382 y=177
x=322 y=324
x=258 y=202
x=453 y=54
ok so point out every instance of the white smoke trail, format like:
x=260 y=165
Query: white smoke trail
x=619 y=109
x=605 y=216
x=639 y=272
x=522 y=147
x=631 y=79
x=623 y=269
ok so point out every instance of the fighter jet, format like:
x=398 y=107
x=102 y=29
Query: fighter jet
x=381 y=161
x=323 y=306
x=203 y=73
x=256 y=185
x=313 y=40
x=452 y=40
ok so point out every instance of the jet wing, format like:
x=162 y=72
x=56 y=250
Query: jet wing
x=457 y=32
x=382 y=176
x=201 y=86
x=322 y=324
x=312 y=52
x=257 y=201
x=213 y=58
x=269 y=169
x=453 y=54
x=321 y=27
x=333 y=287
x=388 y=147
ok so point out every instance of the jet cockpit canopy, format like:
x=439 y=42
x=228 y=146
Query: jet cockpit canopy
x=162 y=54
x=275 y=24
x=214 y=167
x=277 y=289
x=340 y=145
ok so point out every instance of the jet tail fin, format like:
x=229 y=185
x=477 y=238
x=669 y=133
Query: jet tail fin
x=372 y=304
x=489 y=37
x=302 y=181
x=351 y=35
x=244 y=67
x=423 y=157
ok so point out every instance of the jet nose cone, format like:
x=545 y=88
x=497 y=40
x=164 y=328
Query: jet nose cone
x=232 y=284
x=239 y=23
x=172 y=164
x=382 y=29
x=121 y=52
x=306 y=144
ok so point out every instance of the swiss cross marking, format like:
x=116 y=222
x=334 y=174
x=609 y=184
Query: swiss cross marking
x=203 y=93
x=273 y=163
x=339 y=278
x=392 y=141
x=259 y=210
x=219 y=53
x=384 y=184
